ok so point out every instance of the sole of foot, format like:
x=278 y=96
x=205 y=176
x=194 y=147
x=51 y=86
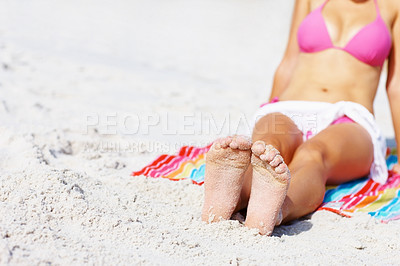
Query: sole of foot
x=226 y=163
x=270 y=182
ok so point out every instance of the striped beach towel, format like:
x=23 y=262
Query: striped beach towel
x=189 y=163
x=358 y=196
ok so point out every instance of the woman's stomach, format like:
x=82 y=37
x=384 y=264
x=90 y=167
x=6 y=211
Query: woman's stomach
x=344 y=78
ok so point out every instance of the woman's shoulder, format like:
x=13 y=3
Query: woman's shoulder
x=391 y=7
x=393 y=3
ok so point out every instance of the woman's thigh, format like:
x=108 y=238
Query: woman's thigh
x=346 y=149
x=281 y=132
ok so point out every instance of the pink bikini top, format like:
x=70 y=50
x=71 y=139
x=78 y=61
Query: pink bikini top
x=370 y=45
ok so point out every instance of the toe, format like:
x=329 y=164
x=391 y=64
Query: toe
x=282 y=168
x=240 y=142
x=258 y=147
x=216 y=146
x=234 y=144
x=244 y=143
x=263 y=157
x=276 y=161
x=271 y=152
x=225 y=142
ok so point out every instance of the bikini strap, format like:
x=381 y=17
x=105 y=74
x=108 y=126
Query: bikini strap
x=378 y=12
x=322 y=6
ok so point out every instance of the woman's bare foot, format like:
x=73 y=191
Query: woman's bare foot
x=226 y=162
x=269 y=186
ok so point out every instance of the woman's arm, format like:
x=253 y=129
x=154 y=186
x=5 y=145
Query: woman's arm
x=285 y=68
x=393 y=84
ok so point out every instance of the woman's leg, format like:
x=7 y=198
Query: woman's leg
x=338 y=154
x=279 y=131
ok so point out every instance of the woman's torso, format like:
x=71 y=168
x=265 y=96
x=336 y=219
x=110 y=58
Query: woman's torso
x=333 y=75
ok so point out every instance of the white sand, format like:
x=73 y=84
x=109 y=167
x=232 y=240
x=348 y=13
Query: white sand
x=66 y=196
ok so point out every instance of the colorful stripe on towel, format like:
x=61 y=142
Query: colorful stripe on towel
x=188 y=163
x=365 y=196
x=358 y=196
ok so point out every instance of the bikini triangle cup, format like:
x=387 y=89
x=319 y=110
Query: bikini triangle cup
x=371 y=44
